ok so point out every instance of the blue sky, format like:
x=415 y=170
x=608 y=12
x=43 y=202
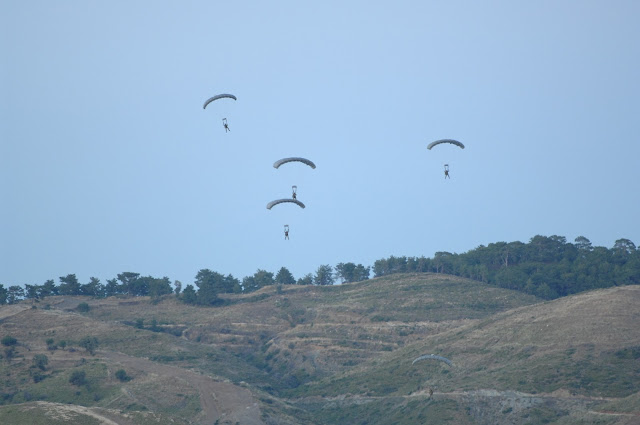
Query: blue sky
x=108 y=162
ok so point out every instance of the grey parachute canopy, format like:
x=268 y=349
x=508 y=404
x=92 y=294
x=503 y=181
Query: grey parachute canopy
x=279 y=162
x=280 y=201
x=434 y=357
x=437 y=142
x=218 y=96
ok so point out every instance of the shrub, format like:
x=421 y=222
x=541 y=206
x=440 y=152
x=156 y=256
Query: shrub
x=9 y=353
x=83 y=307
x=9 y=341
x=37 y=377
x=89 y=343
x=78 y=378
x=121 y=374
x=40 y=361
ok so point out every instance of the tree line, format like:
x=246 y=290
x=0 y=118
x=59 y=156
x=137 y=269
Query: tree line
x=207 y=286
x=546 y=266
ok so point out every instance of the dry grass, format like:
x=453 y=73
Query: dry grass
x=328 y=341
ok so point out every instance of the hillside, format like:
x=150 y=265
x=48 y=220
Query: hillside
x=553 y=359
x=322 y=355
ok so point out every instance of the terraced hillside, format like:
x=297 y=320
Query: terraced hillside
x=323 y=355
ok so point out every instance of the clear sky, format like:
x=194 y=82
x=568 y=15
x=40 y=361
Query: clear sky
x=108 y=162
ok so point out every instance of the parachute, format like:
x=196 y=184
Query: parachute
x=280 y=201
x=216 y=97
x=293 y=159
x=453 y=142
x=433 y=356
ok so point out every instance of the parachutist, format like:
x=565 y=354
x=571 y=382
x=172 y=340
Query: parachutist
x=216 y=97
x=286 y=232
x=294 y=189
x=450 y=141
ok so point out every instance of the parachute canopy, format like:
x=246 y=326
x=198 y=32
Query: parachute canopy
x=279 y=162
x=437 y=142
x=434 y=357
x=218 y=96
x=280 y=201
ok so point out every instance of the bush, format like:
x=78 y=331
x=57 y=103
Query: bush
x=83 y=307
x=78 y=378
x=51 y=345
x=89 y=343
x=121 y=374
x=40 y=361
x=9 y=353
x=9 y=341
x=37 y=377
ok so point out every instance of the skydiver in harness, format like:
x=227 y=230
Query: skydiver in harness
x=293 y=194
x=226 y=126
x=286 y=232
x=446 y=171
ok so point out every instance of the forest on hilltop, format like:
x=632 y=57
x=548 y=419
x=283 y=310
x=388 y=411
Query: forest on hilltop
x=546 y=266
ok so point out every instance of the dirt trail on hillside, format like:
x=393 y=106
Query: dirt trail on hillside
x=221 y=401
x=67 y=411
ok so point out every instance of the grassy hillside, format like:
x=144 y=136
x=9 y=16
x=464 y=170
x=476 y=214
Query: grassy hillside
x=574 y=352
x=323 y=355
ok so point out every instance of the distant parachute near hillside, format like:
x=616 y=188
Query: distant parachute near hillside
x=279 y=162
x=434 y=357
x=438 y=142
x=218 y=96
x=280 y=201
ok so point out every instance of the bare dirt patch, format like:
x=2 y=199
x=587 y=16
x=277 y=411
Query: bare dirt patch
x=67 y=411
x=12 y=310
x=219 y=400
